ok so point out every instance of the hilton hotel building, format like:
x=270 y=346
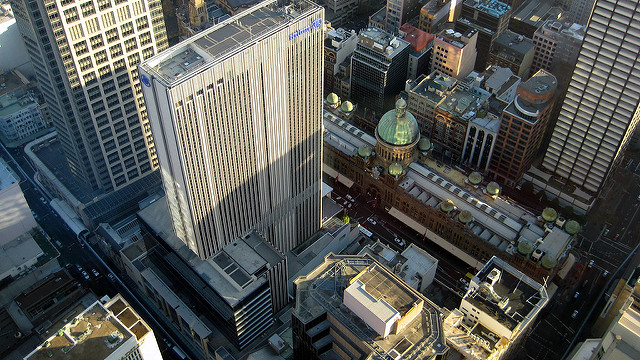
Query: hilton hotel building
x=236 y=115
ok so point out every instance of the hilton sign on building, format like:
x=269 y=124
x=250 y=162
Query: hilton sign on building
x=236 y=116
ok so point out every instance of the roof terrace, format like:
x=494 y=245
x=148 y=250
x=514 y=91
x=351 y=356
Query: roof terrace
x=322 y=291
x=226 y=38
x=491 y=7
x=94 y=333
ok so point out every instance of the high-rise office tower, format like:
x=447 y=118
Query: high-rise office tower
x=490 y=18
x=400 y=12
x=600 y=111
x=580 y=11
x=236 y=113
x=85 y=56
x=523 y=125
x=378 y=69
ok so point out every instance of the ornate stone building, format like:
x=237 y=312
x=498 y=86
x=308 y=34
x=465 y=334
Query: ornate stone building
x=466 y=217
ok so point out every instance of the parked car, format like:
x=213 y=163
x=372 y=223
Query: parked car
x=111 y=277
x=85 y=275
x=95 y=272
x=575 y=314
x=399 y=241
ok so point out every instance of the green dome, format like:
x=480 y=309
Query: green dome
x=549 y=214
x=572 y=227
x=493 y=188
x=364 y=151
x=332 y=99
x=475 y=178
x=424 y=144
x=465 y=216
x=347 y=106
x=447 y=205
x=398 y=126
x=395 y=169
x=525 y=247
x=547 y=262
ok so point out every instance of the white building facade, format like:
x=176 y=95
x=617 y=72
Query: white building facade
x=236 y=114
x=85 y=57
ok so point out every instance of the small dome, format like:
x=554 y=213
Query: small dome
x=447 y=205
x=347 y=106
x=395 y=169
x=424 y=144
x=364 y=151
x=549 y=214
x=525 y=247
x=475 y=178
x=572 y=227
x=547 y=262
x=465 y=216
x=493 y=188
x=332 y=99
x=398 y=126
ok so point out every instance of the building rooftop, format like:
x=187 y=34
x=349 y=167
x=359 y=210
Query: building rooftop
x=227 y=38
x=94 y=333
x=463 y=104
x=18 y=252
x=572 y=30
x=336 y=38
x=506 y=292
x=536 y=12
x=413 y=261
x=491 y=7
x=381 y=41
x=456 y=39
x=234 y=272
x=511 y=46
x=435 y=86
x=322 y=291
x=499 y=79
x=435 y=6
x=417 y=38
x=498 y=221
x=7 y=176
x=542 y=87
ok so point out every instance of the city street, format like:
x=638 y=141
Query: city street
x=72 y=252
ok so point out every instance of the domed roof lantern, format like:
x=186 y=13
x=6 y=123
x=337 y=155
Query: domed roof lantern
x=549 y=214
x=424 y=144
x=332 y=99
x=364 y=151
x=347 y=106
x=395 y=169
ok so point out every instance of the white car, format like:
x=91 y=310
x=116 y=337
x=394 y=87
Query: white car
x=575 y=314
x=575 y=296
x=399 y=241
x=85 y=275
x=350 y=197
x=95 y=272
x=590 y=264
x=373 y=221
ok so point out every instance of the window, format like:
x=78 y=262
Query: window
x=112 y=35
x=96 y=41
